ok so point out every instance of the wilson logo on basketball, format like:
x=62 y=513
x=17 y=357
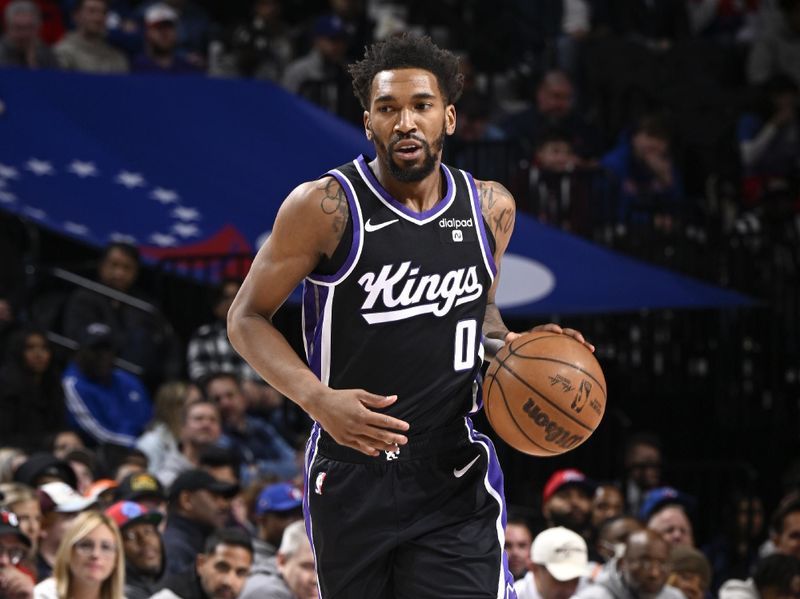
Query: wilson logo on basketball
x=553 y=432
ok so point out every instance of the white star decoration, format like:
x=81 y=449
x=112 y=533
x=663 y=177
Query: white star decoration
x=8 y=172
x=185 y=213
x=39 y=167
x=76 y=228
x=7 y=197
x=165 y=196
x=122 y=237
x=185 y=230
x=130 y=180
x=36 y=213
x=83 y=169
x=163 y=240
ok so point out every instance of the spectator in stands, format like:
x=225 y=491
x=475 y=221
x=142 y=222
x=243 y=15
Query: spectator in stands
x=61 y=504
x=296 y=577
x=554 y=108
x=16 y=582
x=612 y=534
x=665 y=511
x=776 y=46
x=31 y=398
x=142 y=337
x=84 y=463
x=219 y=571
x=161 y=54
x=644 y=171
x=209 y=350
x=41 y=468
x=640 y=572
x=143 y=488
x=558 y=559
x=65 y=441
x=161 y=437
x=733 y=551
x=689 y=571
x=769 y=143
x=221 y=462
x=723 y=21
x=106 y=404
x=277 y=506
x=23 y=502
x=128 y=460
x=318 y=75
x=785 y=526
x=103 y=491
x=518 y=546
x=90 y=562
x=11 y=458
x=607 y=503
x=358 y=26
x=86 y=48
x=567 y=501
x=654 y=23
x=560 y=191
x=21 y=45
x=201 y=428
x=776 y=576
x=262 y=47
x=141 y=543
x=198 y=503
x=262 y=449
x=642 y=461
x=194 y=28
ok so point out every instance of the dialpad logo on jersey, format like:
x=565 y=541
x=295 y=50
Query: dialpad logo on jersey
x=455 y=223
x=398 y=292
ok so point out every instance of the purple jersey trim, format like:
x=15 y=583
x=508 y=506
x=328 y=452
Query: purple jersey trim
x=387 y=197
x=313 y=307
x=311 y=454
x=487 y=252
x=357 y=233
x=494 y=483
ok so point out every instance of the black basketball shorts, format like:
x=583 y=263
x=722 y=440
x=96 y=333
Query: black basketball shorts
x=426 y=522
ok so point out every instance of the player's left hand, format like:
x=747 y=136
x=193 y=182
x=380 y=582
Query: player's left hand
x=553 y=328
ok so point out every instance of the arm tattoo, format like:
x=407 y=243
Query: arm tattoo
x=499 y=219
x=334 y=202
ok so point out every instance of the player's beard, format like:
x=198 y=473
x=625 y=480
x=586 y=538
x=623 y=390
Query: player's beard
x=412 y=174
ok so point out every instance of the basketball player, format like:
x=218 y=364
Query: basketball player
x=400 y=254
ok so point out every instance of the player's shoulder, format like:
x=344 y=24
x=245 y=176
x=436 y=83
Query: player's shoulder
x=494 y=196
x=319 y=207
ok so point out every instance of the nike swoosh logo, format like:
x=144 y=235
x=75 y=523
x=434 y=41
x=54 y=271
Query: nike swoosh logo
x=369 y=227
x=459 y=472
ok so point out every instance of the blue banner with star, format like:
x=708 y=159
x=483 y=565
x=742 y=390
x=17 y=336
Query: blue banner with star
x=198 y=165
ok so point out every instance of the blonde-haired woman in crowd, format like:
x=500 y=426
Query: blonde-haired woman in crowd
x=89 y=563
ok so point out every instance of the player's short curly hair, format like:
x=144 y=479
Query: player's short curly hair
x=407 y=51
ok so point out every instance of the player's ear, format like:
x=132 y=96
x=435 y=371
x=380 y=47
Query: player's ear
x=450 y=119
x=367 y=125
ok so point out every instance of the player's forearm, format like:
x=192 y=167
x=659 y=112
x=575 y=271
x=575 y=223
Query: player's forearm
x=493 y=325
x=271 y=356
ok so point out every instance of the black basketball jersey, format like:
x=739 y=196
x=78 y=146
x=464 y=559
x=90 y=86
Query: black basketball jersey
x=403 y=314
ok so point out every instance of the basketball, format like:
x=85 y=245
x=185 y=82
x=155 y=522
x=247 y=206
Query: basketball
x=544 y=393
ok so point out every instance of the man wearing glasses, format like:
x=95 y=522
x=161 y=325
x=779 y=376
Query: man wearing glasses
x=15 y=581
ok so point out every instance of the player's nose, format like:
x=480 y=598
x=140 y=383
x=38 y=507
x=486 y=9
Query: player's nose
x=405 y=122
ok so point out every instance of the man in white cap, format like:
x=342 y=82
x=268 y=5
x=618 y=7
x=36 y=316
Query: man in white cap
x=558 y=560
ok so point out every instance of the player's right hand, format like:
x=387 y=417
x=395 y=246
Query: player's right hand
x=348 y=416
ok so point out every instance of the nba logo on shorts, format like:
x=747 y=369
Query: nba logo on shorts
x=458 y=235
x=319 y=482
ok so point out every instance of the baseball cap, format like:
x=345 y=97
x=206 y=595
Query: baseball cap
x=97 y=334
x=329 y=26
x=140 y=485
x=562 y=478
x=195 y=480
x=657 y=498
x=44 y=464
x=66 y=500
x=160 y=13
x=562 y=551
x=9 y=525
x=279 y=497
x=130 y=512
x=98 y=487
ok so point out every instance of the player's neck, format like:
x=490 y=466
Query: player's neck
x=418 y=195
